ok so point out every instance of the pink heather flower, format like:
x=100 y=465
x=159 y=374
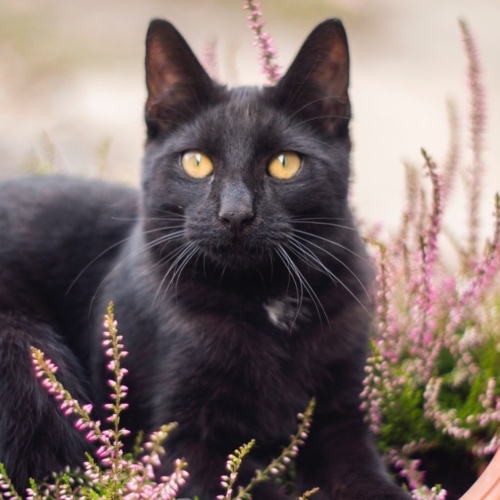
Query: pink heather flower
x=209 y=60
x=478 y=125
x=263 y=41
x=87 y=408
x=453 y=157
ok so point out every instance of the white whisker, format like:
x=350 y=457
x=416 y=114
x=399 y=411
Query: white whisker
x=142 y=249
x=320 y=222
x=302 y=252
x=182 y=256
x=335 y=243
x=304 y=283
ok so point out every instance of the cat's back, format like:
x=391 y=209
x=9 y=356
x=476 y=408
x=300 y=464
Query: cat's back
x=59 y=234
x=52 y=199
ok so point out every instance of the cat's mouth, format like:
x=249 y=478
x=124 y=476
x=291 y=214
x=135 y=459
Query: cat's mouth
x=238 y=255
x=245 y=249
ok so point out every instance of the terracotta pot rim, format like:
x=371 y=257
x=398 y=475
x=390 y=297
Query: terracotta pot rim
x=487 y=487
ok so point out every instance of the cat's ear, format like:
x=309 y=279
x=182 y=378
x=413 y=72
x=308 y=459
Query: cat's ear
x=315 y=86
x=176 y=82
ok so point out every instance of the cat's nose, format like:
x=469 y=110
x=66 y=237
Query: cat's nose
x=236 y=219
x=236 y=207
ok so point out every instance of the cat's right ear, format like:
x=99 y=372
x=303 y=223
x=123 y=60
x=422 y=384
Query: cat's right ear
x=176 y=82
x=315 y=87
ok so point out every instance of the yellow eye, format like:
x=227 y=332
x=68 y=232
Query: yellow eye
x=284 y=166
x=196 y=164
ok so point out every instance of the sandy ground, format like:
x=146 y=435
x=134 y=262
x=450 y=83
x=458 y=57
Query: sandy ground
x=72 y=84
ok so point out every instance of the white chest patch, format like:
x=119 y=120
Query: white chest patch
x=284 y=312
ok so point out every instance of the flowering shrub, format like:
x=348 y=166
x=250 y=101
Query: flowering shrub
x=433 y=380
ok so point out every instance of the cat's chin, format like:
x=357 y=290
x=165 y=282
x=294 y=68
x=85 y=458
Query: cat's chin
x=239 y=259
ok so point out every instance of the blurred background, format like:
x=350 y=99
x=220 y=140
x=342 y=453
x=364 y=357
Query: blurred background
x=72 y=83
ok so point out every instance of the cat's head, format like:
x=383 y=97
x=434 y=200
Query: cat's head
x=240 y=175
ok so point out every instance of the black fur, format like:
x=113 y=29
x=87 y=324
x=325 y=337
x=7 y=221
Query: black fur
x=239 y=296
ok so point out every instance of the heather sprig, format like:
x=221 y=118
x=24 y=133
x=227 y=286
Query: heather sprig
x=209 y=59
x=6 y=485
x=289 y=452
x=477 y=127
x=453 y=156
x=46 y=370
x=233 y=465
x=264 y=41
x=277 y=467
x=112 y=448
x=409 y=470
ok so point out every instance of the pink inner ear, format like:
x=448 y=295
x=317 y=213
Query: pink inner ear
x=336 y=70
x=161 y=75
x=331 y=71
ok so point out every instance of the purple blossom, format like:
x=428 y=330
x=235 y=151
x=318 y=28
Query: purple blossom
x=263 y=41
x=478 y=126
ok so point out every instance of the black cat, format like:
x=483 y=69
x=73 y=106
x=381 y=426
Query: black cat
x=238 y=277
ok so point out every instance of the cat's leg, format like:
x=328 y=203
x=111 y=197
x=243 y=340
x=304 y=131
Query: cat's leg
x=206 y=465
x=35 y=437
x=340 y=456
x=344 y=464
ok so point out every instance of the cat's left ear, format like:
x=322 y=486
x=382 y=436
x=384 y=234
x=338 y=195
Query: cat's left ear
x=315 y=86
x=176 y=82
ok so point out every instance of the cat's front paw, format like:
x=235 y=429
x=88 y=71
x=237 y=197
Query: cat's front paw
x=369 y=486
